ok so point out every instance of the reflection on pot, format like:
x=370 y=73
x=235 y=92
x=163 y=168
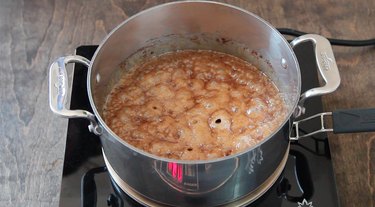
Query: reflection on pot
x=188 y=178
x=254 y=157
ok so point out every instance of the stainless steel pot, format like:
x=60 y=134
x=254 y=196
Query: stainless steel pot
x=194 y=25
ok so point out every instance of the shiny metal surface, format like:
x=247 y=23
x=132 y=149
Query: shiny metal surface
x=254 y=167
x=58 y=89
x=326 y=65
x=247 y=199
x=234 y=31
x=322 y=129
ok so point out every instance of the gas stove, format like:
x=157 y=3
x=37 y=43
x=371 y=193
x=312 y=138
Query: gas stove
x=306 y=180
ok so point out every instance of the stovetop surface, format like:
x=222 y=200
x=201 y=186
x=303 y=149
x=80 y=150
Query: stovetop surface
x=308 y=173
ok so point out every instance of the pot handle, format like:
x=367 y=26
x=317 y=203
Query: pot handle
x=343 y=121
x=326 y=65
x=58 y=89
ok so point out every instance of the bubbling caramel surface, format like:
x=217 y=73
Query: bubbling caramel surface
x=194 y=105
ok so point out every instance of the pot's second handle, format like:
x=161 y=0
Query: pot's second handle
x=353 y=120
x=343 y=121
x=58 y=89
x=326 y=65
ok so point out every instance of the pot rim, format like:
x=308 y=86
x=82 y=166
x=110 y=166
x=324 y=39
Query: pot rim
x=106 y=128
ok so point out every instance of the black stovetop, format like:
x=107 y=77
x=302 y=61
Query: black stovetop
x=308 y=173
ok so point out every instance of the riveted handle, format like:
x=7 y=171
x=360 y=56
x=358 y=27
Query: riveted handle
x=58 y=89
x=343 y=121
x=326 y=66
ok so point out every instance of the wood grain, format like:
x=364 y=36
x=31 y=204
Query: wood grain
x=34 y=33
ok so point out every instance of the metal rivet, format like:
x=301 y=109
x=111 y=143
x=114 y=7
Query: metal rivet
x=97 y=78
x=283 y=63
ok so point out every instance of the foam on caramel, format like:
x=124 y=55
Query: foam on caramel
x=194 y=105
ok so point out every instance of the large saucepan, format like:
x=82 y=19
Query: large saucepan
x=194 y=25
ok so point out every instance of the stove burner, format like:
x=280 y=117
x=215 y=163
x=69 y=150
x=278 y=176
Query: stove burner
x=307 y=174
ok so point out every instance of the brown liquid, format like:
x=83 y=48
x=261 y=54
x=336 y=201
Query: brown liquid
x=194 y=105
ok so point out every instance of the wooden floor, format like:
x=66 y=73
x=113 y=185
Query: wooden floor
x=33 y=33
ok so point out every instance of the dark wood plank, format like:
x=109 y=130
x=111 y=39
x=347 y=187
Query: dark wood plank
x=34 y=33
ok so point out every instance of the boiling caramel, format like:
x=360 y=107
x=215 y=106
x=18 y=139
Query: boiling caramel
x=194 y=105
